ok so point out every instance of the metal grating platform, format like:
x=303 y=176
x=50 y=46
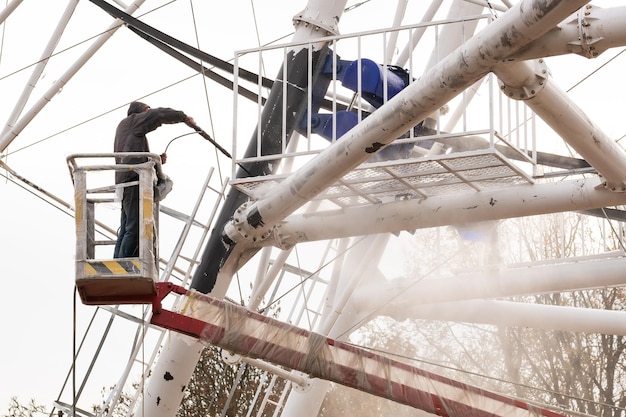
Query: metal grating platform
x=373 y=183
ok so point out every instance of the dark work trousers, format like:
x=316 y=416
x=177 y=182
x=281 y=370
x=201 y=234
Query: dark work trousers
x=127 y=245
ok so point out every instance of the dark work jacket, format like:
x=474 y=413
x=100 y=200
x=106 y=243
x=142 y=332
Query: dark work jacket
x=130 y=136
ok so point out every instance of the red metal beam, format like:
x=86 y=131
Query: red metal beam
x=249 y=334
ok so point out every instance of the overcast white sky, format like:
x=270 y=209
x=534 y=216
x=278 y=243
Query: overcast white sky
x=37 y=244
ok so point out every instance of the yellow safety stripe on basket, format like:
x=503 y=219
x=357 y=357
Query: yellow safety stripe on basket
x=122 y=267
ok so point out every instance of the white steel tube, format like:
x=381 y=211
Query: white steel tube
x=11 y=134
x=403 y=58
x=589 y=33
x=475 y=58
x=456 y=209
x=570 y=122
x=506 y=282
x=170 y=376
x=365 y=259
x=509 y=313
x=262 y=286
x=38 y=70
x=263 y=261
x=451 y=36
x=331 y=291
x=320 y=18
x=6 y=12
x=294 y=377
x=393 y=36
x=306 y=403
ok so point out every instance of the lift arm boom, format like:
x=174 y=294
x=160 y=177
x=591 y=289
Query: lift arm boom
x=253 y=335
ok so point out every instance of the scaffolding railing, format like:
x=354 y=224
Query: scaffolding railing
x=359 y=81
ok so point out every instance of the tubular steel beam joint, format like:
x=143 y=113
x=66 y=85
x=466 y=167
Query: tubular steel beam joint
x=531 y=87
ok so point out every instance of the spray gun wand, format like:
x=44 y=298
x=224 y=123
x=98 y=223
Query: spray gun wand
x=205 y=135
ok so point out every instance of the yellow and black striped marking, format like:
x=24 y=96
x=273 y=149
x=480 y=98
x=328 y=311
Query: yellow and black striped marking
x=113 y=267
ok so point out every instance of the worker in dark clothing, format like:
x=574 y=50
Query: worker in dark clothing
x=130 y=136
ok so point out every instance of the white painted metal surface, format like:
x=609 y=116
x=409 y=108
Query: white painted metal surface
x=433 y=89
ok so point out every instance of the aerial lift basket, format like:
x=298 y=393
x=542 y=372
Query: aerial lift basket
x=107 y=280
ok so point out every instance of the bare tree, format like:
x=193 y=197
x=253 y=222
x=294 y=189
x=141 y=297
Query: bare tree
x=32 y=409
x=584 y=373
